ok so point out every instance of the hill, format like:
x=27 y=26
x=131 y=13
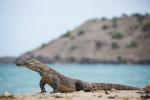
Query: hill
x=7 y=60
x=118 y=40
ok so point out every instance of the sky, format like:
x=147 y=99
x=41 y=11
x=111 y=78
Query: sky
x=27 y=24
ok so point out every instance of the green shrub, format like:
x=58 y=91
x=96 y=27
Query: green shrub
x=105 y=27
x=99 y=44
x=117 y=35
x=81 y=32
x=114 y=21
x=133 y=27
x=124 y=15
x=133 y=44
x=67 y=34
x=139 y=17
x=121 y=60
x=71 y=59
x=136 y=15
x=146 y=27
x=43 y=45
x=114 y=45
x=103 y=18
x=110 y=33
x=57 y=57
x=73 y=48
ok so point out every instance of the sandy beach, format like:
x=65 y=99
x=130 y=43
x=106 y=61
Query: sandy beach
x=97 y=95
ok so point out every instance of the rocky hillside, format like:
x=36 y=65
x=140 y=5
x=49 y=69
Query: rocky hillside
x=7 y=60
x=118 y=40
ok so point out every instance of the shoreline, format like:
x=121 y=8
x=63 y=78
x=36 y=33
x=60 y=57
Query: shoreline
x=100 y=62
x=12 y=60
x=96 y=95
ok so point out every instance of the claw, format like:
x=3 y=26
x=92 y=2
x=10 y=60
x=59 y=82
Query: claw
x=43 y=93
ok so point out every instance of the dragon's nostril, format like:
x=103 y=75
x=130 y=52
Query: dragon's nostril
x=19 y=63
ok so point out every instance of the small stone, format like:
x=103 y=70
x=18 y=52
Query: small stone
x=112 y=96
x=100 y=96
x=113 y=90
x=57 y=96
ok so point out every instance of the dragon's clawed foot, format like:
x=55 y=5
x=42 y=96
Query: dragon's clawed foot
x=42 y=92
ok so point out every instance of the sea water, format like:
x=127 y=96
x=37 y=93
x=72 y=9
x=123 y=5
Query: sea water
x=22 y=80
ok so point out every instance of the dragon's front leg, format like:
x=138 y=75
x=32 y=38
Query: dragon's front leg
x=42 y=84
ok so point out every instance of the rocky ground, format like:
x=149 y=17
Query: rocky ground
x=98 y=95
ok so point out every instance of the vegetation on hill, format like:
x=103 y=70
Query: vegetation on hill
x=118 y=40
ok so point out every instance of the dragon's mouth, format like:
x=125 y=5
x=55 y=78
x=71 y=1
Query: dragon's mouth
x=18 y=64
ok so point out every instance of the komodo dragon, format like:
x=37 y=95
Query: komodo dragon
x=64 y=84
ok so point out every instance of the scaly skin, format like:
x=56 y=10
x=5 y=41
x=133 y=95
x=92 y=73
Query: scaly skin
x=80 y=85
x=64 y=84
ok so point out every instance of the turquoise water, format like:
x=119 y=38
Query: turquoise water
x=22 y=80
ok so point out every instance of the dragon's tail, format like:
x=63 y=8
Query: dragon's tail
x=106 y=86
x=80 y=85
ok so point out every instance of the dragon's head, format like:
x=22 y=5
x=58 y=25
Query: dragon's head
x=26 y=61
x=30 y=63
